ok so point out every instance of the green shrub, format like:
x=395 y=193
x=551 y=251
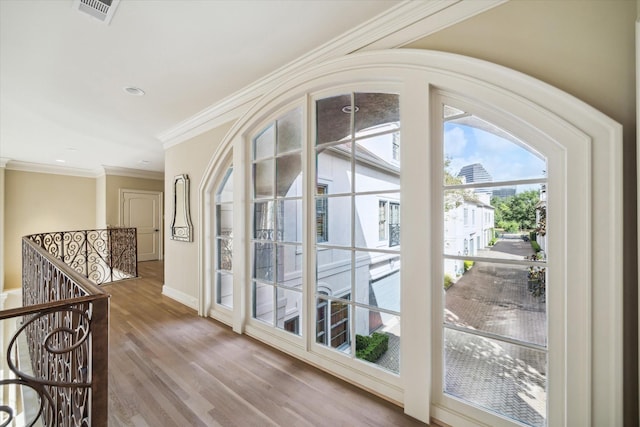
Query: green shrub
x=448 y=281
x=371 y=348
x=467 y=265
x=493 y=241
x=535 y=246
x=362 y=341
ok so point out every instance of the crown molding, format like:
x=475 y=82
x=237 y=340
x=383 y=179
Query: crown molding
x=21 y=166
x=4 y=161
x=458 y=11
x=131 y=173
x=394 y=28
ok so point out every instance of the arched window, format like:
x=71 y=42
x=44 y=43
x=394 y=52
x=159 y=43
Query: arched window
x=330 y=165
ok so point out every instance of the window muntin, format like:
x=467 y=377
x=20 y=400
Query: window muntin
x=494 y=313
x=356 y=137
x=276 y=237
x=223 y=201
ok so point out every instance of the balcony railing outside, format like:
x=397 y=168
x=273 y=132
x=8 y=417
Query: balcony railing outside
x=103 y=255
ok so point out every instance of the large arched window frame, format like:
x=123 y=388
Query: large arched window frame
x=583 y=148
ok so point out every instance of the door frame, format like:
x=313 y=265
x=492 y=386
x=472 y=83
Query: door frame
x=123 y=191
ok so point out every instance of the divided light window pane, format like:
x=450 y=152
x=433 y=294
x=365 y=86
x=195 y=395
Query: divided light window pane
x=357 y=151
x=289 y=128
x=335 y=110
x=494 y=285
x=333 y=162
x=224 y=240
x=277 y=253
x=376 y=167
x=375 y=113
x=368 y=209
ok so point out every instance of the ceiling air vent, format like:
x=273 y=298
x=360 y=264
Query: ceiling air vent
x=102 y=10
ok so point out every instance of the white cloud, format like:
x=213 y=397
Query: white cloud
x=455 y=142
x=503 y=159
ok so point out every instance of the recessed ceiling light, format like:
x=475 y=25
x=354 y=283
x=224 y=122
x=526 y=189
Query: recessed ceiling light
x=144 y=162
x=60 y=161
x=132 y=90
x=348 y=109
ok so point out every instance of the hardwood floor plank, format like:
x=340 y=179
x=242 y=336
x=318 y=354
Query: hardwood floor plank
x=169 y=367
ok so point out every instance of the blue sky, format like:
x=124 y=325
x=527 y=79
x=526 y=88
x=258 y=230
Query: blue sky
x=503 y=159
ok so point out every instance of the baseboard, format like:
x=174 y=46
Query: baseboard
x=180 y=297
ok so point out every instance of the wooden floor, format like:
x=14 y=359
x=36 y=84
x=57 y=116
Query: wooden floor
x=169 y=367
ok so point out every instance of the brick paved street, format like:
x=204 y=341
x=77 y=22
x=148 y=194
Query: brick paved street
x=492 y=297
x=505 y=378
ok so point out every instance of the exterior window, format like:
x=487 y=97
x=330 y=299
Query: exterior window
x=224 y=240
x=322 y=212
x=357 y=135
x=321 y=322
x=466 y=216
x=497 y=279
x=292 y=325
x=277 y=232
x=394 y=224
x=336 y=322
x=339 y=323
x=382 y=220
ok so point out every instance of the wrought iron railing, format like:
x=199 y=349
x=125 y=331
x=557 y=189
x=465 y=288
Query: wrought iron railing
x=394 y=234
x=56 y=361
x=102 y=256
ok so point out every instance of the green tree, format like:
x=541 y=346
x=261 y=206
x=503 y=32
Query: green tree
x=452 y=198
x=516 y=212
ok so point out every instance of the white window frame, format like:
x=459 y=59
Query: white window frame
x=216 y=254
x=586 y=345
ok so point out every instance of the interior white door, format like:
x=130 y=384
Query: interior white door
x=142 y=210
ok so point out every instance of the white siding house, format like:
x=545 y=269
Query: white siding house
x=468 y=227
x=377 y=228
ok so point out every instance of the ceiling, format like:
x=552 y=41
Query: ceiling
x=63 y=73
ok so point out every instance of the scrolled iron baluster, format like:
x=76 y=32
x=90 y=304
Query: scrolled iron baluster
x=47 y=345
x=99 y=255
x=42 y=393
